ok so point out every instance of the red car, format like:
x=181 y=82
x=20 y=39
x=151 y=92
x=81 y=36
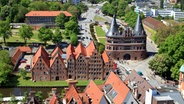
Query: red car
x=23 y=61
x=27 y=66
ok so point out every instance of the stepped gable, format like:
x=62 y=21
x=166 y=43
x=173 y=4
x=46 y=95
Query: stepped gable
x=90 y=48
x=41 y=52
x=54 y=58
x=80 y=49
x=113 y=31
x=105 y=57
x=56 y=53
x=56 y=50
x=118 y=87
x=72 y=94
x=94 y=92
x=69 y=51
x=138 y=29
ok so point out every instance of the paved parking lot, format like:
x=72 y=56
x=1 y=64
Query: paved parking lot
x=28 y=62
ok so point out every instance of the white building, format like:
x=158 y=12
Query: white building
x=175 y=13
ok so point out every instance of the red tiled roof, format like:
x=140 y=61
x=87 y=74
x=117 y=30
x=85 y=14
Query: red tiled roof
x=18 y=52
x=153 y=23
x=94 y=92
x=53 y=100
x=182 y=86
x=54 y=58
x=85 y=98
x=56 y=53
x=69 y=50
x=105 y=57
x=80 y=49
x=41 y=52
x=90 y=48
x=72 y=93
x=47 y=13
x=56 y=50
x=16 y=56
x=121 y=89
x=142 y=84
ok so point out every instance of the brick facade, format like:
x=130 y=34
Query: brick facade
x=81 y=63
x=127 y=44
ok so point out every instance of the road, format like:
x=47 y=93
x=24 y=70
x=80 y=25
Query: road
x=87 y=19
x=125 y=65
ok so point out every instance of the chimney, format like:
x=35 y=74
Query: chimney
x=71 y=82
x=135 y=92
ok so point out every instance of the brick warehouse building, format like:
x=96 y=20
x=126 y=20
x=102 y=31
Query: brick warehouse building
x=80 y=63
x=128 y=44
x=36 y=19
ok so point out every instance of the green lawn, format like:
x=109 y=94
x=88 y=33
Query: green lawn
x=102 y=40
x=28 y=82
x=99 y=31
x=99 y=19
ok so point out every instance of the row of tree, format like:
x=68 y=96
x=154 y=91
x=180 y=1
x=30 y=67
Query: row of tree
x=5 y=67
x=119 y=6
x=170 y=57
x=45 y=34
x=15 y=10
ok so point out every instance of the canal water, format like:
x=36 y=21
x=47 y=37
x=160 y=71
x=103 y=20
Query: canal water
x=19 y=91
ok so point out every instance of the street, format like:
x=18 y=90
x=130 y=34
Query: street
x=124 y=65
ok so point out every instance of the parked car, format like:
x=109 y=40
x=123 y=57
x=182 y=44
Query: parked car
x=27 y=66
x=22 y=61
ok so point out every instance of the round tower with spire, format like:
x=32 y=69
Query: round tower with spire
x=129 y=44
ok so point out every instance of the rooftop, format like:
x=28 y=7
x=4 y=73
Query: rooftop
x=162 y=98
x=48 y=13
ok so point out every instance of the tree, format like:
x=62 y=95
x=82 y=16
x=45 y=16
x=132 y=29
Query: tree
x=171 y=48
x=13 y=100
x=39 y=95
x=182 y=4
x=74 y=10
x=131 y=18
x=161 y=4
x=73 y=39
x=25 y=32
x=5 y=12
x=23 y=73
x=82 y=7
x=38 y=5
x=44 y=34
x=4 y=73
x=72 y=26
x=4 y=56
x=5 y=30
x=74 y=18
x=61 y=20
x=55 y=6
x=101 y=48
x=160 y=64
x=175 y=69
x=57 y=37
